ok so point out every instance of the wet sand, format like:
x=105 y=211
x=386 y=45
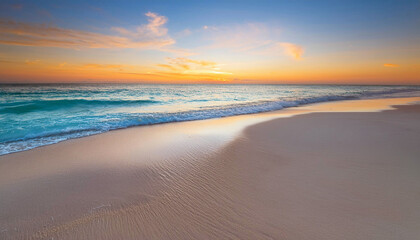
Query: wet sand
x=342 y=170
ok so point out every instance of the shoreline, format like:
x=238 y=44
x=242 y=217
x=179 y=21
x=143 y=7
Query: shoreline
x=243 y=177
x=306 y=106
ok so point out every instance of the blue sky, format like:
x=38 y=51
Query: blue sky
x=384 y=32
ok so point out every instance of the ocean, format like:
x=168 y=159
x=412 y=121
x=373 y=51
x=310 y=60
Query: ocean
x=37 y=115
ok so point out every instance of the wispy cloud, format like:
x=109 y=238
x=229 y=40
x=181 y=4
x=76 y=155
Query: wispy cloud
x=155 y=28
x=188 y=66
x=253 y=38
x=181 y=61
x=293 y=50
x=155 y=24
x=152 y=35
x=391 y=65
x=170 y=67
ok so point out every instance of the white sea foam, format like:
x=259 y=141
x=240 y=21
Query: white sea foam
x=36 y=116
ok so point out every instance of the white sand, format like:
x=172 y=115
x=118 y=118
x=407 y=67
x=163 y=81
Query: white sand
x=334 y=175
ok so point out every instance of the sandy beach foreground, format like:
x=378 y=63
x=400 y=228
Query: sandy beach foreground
x=339 y=170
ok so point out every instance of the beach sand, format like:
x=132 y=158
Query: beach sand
x=339 y=170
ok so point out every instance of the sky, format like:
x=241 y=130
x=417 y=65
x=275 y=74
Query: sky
x=244 y=42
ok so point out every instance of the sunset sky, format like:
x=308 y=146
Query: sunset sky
x=338 y=42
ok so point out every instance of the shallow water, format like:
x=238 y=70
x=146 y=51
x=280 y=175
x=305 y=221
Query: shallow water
x=37 y=115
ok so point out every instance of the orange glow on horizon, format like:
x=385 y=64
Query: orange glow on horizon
x=391 y=65
x=33 y=71
x=248 y=53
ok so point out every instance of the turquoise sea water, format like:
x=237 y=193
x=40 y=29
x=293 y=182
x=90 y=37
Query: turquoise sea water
x=37 y=115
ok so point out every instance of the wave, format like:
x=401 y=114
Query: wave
x=51 y=105
x=125 y=120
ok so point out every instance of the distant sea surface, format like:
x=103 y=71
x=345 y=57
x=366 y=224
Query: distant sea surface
x=37 y=115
